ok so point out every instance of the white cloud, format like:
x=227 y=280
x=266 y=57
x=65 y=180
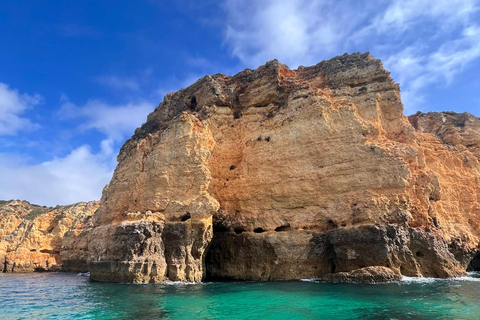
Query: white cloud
x=421 y=42
x=80 y=176
x=12 y=105
x=115 y=121
x=297 y=32
x=401 y=15
x=416 y=68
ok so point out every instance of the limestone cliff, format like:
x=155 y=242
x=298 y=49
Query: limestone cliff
x=32 y=237
x=285 y=174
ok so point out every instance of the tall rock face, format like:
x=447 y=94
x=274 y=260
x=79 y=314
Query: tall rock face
x=286 y=174
x=155 y=218
x=32 y=237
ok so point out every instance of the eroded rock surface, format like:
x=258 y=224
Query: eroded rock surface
x=368 y=275
x=33 y=237
x=155 y=218
x=285 y=174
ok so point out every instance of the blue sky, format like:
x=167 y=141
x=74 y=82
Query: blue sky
x=77 y=77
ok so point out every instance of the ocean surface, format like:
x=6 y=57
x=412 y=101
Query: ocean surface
x=70 y=296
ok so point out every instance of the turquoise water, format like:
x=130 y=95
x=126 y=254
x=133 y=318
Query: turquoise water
x=68 y=296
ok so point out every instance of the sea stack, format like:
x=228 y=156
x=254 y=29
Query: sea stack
x=276 y=174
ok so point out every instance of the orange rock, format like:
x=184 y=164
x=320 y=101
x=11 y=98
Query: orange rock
x=36 y=238
x=279 y=174
x=296 y=168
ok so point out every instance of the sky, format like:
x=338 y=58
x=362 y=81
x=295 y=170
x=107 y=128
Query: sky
x=77 y=77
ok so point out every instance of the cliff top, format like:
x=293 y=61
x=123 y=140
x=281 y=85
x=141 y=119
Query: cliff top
x=276 y=82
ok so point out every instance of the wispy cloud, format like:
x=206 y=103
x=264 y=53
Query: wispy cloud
x=79 y=176
x=12 y=106
x=428 y=62
x=82 y=173
x=421 y=42
x=296 y=32
x=115 y=121
x=402 y=15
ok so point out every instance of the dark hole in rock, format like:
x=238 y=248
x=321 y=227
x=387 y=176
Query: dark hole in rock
x=237 y=114
x=435 y=222
x=332 y=270
x=258 y=230
x=343 y=225
x=283 y=228
x=239 y=230
x=226 y=179
x=419 y=254
x=259 y=138
x=267 y=139
x=270 y=115
x=233 y=167
x=219 y=228
x=331 y=225
x=474 y=265
x=185 y=217
x=193 y=103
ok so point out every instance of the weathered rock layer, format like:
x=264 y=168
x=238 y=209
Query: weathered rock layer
x=285 y=174
x=33 y=238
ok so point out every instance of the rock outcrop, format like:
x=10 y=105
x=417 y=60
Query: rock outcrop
x=32 y=237
x=274 y=174
x=286 y=174
x=370 y=275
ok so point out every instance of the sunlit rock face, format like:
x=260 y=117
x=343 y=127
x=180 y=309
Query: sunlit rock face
x=155 y=218
x=285 y=174
x=33 y=238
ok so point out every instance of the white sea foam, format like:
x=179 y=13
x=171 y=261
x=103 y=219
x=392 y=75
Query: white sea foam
x=310 y=280
x=180 y=283
x=86 y=274
x=418 y=279
x=430 y=280
x=467 y=278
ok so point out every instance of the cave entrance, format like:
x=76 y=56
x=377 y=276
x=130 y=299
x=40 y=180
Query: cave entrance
x=474 y=265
